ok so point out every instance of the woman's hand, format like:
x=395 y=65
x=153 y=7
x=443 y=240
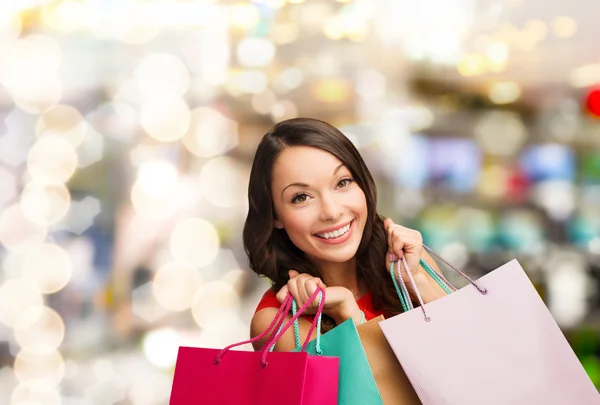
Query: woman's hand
x=407 y=243
x=339 y=301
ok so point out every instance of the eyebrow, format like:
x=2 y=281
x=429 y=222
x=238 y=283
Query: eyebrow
x=306 y=185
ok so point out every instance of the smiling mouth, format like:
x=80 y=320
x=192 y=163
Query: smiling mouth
x=338 y=233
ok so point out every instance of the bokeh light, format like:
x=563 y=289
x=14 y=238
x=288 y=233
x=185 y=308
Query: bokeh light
x=255 y=52
x=30 y=73
x=284 y=110
x=264 y=102
x=592 y=102
x=158 y=178
x=39 y=330
x=8 y=186
x=16 y=297
x=52 y=160
x=220 y=182
x=155 y=193
x=568 y=283
x=500 y=133
x=564 y=27
x=10 y=25
x=63 y=121
x=289 y=79
x=504 y=92
x=215 y=305
x=245 y=16
x=194 y=242
x=247 y=81
x=493 y=181
x=17 y=233
x=47 y=368
x=210 y=133
x=175 y=285
x=165 y=118
x=160 y=347
x=48 y=268
x=65 y=16
x=162 y=75
x=45 y=204
x=331 y=90
x=472 y=65
x=32 y=393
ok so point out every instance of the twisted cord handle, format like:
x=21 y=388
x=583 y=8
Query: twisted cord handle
x=281 y=313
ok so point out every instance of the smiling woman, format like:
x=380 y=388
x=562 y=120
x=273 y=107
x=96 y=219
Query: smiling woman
x=312 y=222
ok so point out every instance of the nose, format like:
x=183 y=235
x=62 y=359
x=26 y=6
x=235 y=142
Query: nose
x=331 y=209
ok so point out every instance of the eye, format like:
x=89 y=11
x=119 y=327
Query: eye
x=299 y=198
x=344 y=182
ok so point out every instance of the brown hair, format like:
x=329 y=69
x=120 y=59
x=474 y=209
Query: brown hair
x=270 y=251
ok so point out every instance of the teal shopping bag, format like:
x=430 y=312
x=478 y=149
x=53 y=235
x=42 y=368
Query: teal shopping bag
x=356 y=384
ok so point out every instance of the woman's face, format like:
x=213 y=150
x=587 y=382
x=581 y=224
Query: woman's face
x=318 y=203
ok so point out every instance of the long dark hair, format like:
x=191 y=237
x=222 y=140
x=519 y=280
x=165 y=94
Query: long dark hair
x=270 y=251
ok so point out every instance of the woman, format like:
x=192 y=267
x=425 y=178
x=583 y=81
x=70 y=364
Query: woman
x=312 y=221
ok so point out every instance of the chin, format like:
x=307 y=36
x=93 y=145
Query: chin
x=341 y=257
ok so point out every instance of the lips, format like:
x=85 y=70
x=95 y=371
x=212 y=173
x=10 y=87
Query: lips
x=334 y=232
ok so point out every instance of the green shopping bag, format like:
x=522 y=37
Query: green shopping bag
x=356 y=384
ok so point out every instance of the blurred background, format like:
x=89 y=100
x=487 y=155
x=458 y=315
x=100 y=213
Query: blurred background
x=127 y=130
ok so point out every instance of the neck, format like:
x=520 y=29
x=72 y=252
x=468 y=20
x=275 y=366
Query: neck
x=341 y=275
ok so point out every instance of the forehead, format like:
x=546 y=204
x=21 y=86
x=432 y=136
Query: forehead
x=303 y=163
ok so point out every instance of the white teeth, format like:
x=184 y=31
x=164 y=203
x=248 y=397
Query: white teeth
x=335 y=234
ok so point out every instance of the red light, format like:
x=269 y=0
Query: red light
x=593 y=102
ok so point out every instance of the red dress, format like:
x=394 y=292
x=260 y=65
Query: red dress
x=269 y=300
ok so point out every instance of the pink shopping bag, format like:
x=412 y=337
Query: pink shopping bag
x=231 y=377
x=493 y=342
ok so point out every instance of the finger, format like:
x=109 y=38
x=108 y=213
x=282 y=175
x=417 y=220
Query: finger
x=413 y=250
x=410 y=247
x=394 y=235
x=282 y=293
x=293 y=273
x=292 y=286
x=392 y=257
x=301 y=283
x=397 y=248
x=320 y=282
x=311 y=286
x=387 y=223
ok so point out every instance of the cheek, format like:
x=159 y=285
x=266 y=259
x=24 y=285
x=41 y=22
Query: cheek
x=297 y=223
x=359 y=201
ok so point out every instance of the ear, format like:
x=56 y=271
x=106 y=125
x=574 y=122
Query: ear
x=277 y=224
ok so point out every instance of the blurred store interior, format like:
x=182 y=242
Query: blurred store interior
x=127 y=130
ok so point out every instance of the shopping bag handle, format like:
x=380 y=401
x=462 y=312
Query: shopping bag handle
x=278 y=319
x=480 y=289
x=315 y=324
x=297 y=330
x=405 y=297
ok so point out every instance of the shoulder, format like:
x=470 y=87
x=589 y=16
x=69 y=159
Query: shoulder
x=265 y=311
x=261 y=320
x=268 y=300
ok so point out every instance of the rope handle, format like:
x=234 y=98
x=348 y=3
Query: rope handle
x=297 y=330
x=480 y=289
x=281 y=313
x=438 y=277
x=273 y=340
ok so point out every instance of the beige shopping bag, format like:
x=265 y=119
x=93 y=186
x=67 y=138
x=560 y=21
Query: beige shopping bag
x=394 y=387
